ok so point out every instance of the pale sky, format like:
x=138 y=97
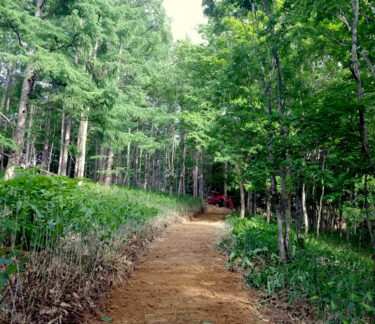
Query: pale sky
x=186 y=16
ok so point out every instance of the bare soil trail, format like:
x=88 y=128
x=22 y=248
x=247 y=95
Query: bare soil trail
x=183 y=281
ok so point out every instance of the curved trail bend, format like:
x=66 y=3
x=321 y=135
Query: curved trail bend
x=183 y=281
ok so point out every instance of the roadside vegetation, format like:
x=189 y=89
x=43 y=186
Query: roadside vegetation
x=63 y=240
x=324 y=281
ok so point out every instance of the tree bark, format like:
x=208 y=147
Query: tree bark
x=6 y=85
x=64 y=153
x=304 y=210
x=79 y=170
x=195 y=176
x=30 y=141
x=46 y=146
x=357 y=76
x=201 y=177
x=126 y=178
x=181 y=183
x=108 y=174
x=242 y=195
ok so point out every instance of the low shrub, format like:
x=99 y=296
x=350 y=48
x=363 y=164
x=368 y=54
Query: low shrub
x=337 y=282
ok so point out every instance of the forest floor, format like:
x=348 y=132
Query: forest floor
x=183 y=280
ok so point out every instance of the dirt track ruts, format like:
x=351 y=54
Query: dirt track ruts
x=183 y=280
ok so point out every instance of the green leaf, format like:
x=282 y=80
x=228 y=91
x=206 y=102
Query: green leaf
x=314 y=298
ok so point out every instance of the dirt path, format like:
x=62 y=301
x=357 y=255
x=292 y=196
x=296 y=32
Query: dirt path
x=184 y=281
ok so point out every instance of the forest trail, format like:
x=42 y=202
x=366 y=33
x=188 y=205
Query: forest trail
x=183 y=280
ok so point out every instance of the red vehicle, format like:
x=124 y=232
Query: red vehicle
x=214 y=198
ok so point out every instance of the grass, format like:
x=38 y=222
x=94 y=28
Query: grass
x=62 y=241
x=335 y=284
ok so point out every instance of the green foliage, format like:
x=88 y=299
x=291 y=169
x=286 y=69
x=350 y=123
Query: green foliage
x=39 y=210
x=337 y=280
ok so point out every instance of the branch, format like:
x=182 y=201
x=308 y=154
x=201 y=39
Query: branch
x=367 y=60
x=17 y=32
x=54 y=49
x=6 y=118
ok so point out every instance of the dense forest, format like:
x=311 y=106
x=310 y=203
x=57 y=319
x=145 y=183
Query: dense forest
x=275 y=109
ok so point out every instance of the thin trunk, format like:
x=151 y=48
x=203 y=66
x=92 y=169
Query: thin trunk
x=249 y=203
x=96 y=162
x=135 y=176
x=30 y=140
x=66 y=142
x=357 y=76
x=171 y=170
x=139 y=181
x=225 y=182
x=146 y=171
x=79 y=169
x=195 y=176
x=102 y=163
x=108 y=174
x=181 y=183
x=320 y=208
x=268 y=204
x=62 y=141
x=242 y=194
x=46 y=146
x=201 y=177
x=6 y=85
x=50 y=158
x=304 y=210
x=126 y=179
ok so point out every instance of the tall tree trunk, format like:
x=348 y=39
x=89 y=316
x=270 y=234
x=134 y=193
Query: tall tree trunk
x=65 y=148
x=201 y=177
x=250 y=203
x=30 y=139
x=171 y=170
x=181 y=183
x=46 y=146
x=320 y=208
x=102 y=163
x=62 y=139
x=108 y=174
x=225 y=181
x=242 y=195
x=146 y=171
x=357 y=76
x=268 y=204
x=304 y=209
x=6 y=85
x=135 y=176
x=126 y=178
x=19 y=134
x=195 y=176
x=79 y=170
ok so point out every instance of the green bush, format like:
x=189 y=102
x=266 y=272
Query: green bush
x=339 y=281
x=60 y=236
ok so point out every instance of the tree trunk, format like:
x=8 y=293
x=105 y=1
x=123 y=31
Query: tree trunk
x=126 y=178
x=242 y=195
x=304 y=210
x=195 y=176
x=268 y=204
x=201 y=177
x=181 y=183
x=64 y=153
x=6 y=85
x=102 y=163
x=30 y=140
x=46 y=146
x=79 y=170
x=225 y=182
x=146 y=171
x=19 y=134
x=108 y=174
x=320 y=208
x=171 y=170
x=357 y=76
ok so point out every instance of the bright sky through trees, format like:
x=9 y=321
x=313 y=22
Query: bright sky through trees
x=186 y=15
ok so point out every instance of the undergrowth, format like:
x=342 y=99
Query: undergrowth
x=63 y=240
x=336 y=285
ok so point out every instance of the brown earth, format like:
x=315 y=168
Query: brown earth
x=183 y=280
